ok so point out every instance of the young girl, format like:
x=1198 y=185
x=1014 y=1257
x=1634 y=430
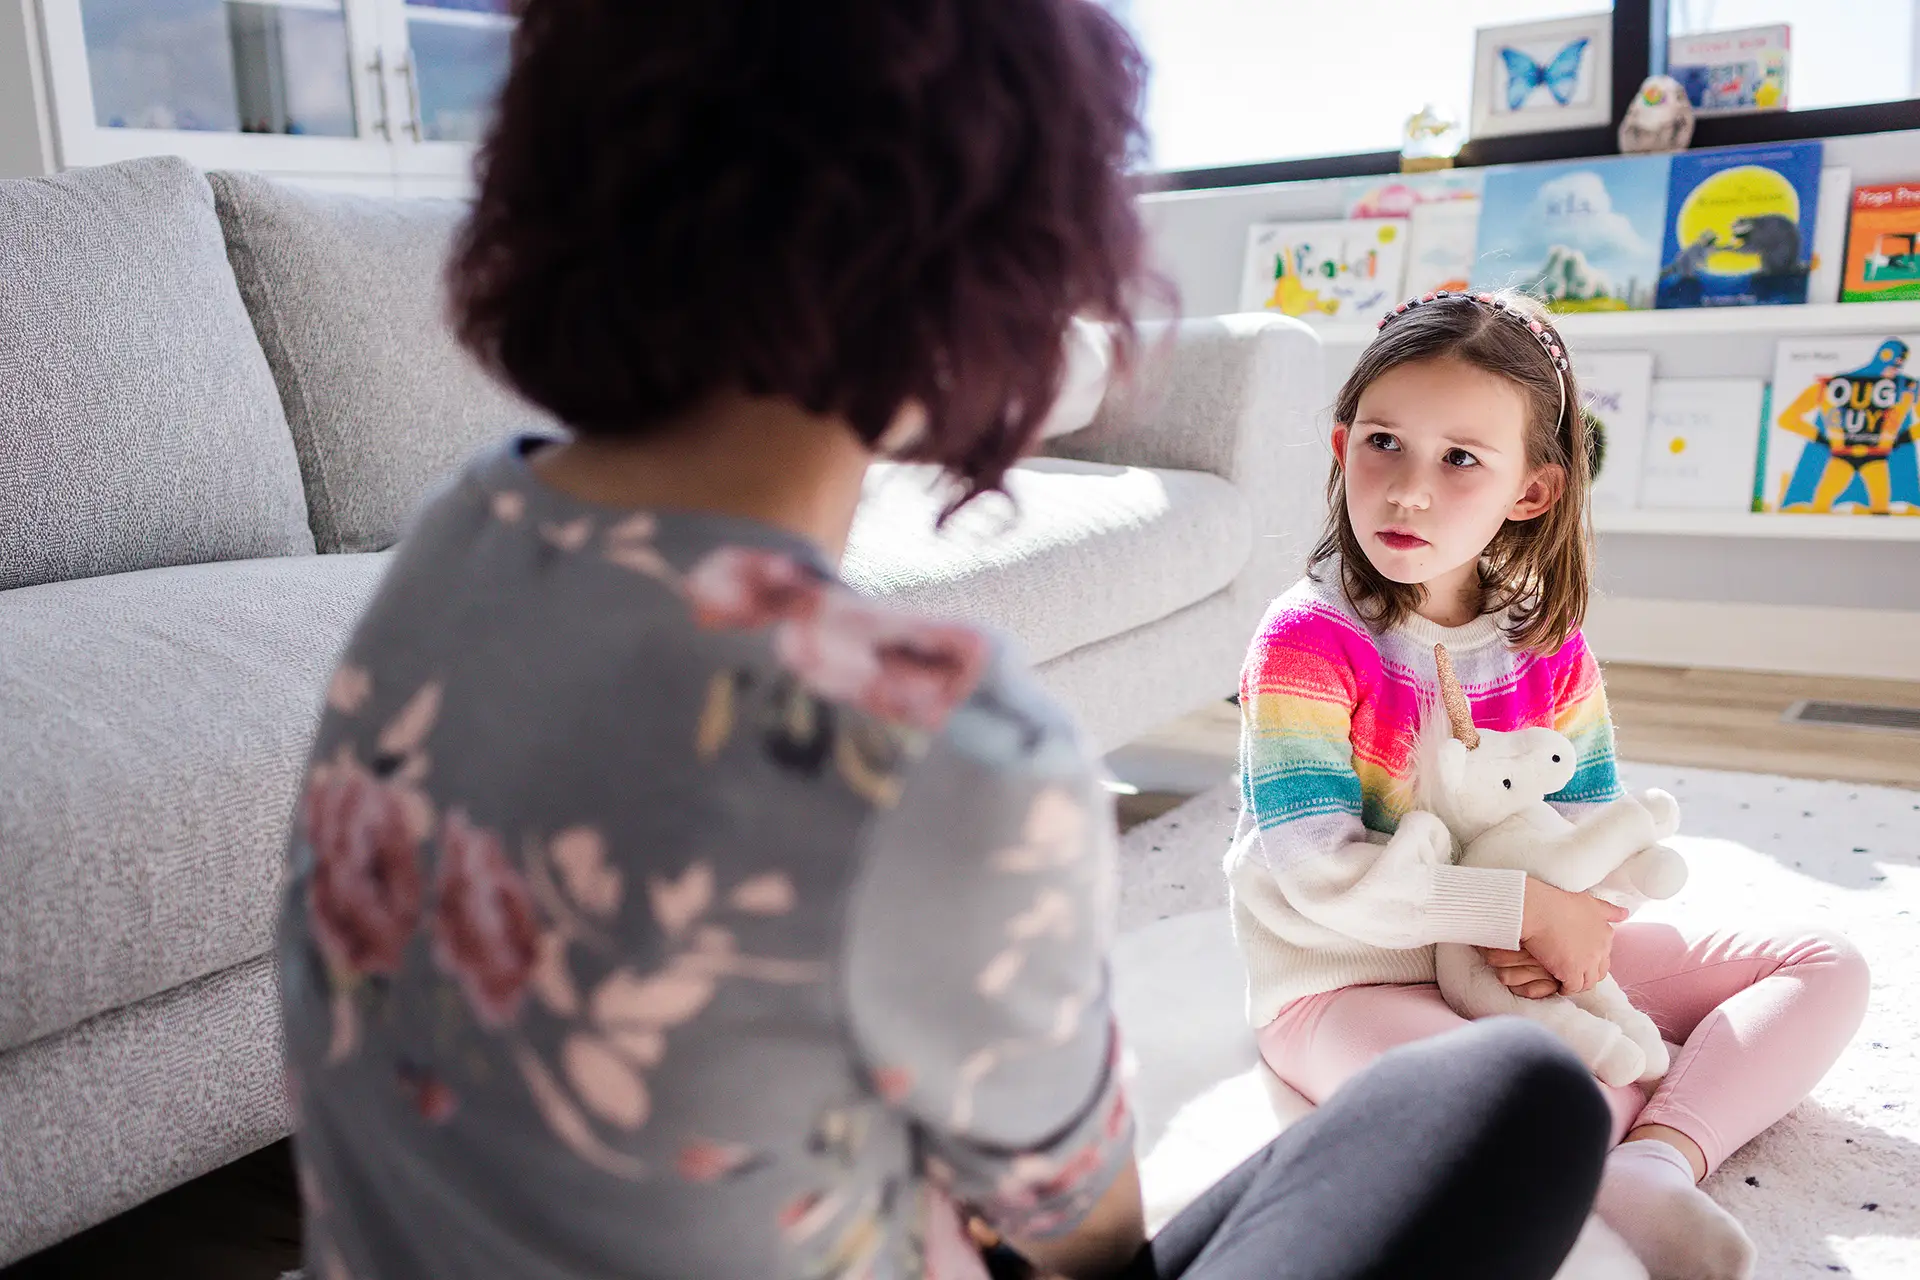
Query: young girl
x=1458 y=515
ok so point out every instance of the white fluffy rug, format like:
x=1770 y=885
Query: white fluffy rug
x=1833 y=1189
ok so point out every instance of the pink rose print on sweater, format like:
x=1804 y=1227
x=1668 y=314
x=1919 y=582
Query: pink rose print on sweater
x=365 y=897
x=485 y=930
x=738 y=588
x=892 y=666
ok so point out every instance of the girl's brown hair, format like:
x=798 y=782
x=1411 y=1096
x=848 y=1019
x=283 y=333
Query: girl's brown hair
x=1537 y=571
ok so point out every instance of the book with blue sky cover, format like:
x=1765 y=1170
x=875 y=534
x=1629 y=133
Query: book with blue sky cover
x=1740 y=226
x=1580 y=236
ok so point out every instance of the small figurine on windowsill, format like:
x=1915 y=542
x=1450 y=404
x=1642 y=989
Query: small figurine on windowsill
x=1659 y=119
x=1429 y=140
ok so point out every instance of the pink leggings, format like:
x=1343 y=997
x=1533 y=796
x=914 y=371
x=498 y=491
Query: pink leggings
x=1760 y=1017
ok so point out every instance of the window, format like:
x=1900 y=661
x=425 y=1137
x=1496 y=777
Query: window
x=1243 y=81
x=1250 y=91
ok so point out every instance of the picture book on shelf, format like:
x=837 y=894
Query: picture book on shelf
x=1613 y=387
x=1883 y=245
x=1841 y=427
x=1727 y=71
x=1740 y=226
x=1398 y=195
x=1703 y=442
x=1580 y=236
x=1324 y=270
x=1830 y=234
x=1440 y=246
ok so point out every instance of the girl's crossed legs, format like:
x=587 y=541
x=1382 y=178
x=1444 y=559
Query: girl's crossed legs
x=1760 y=1017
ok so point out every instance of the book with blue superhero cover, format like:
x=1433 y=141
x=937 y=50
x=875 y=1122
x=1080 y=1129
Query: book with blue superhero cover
x=1842 y=417
x=1740 y=226
x=1580 y=236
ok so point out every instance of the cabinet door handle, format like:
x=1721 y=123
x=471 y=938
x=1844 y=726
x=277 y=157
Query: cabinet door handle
x=415 y=125
x=383 y=123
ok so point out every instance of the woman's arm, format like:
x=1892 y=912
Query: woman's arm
x=975 y=978
x=1106 y=1240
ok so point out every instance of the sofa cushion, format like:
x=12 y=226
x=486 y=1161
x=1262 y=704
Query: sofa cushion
x=155 y=727
x=1083 y=381
x=1084 y=551
x=348 y=298
x=139 y=426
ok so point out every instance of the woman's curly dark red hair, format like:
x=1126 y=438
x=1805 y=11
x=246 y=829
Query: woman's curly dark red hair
x=858 y=204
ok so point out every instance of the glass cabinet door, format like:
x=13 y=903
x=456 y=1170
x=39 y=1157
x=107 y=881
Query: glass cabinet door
x=459 y=60
x=225 y=66
x=454 y=62
x=276 y=85
x=385 y=94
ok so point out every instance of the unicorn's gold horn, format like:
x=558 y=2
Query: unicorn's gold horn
x=1458 y=712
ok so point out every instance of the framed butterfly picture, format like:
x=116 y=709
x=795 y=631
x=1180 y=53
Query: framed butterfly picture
x=1533 y=77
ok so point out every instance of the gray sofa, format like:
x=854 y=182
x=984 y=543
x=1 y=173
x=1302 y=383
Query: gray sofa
x=220 y=398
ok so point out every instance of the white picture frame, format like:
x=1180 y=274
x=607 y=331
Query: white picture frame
x=1511 y=97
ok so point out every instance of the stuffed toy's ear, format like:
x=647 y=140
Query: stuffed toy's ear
x=1453 y=765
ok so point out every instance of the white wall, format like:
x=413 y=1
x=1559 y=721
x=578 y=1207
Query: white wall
x=26 y=145
x=1198 y=238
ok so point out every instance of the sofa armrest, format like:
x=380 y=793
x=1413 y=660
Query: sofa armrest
x=1240 y=396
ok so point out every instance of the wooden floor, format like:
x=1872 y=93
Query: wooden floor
x=1663 y=715
x=1732 y=720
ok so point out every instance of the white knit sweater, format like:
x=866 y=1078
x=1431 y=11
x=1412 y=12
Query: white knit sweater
x=1328 y=887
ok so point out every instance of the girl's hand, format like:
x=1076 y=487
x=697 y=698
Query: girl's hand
x=1570 y=934
x=1521 y=974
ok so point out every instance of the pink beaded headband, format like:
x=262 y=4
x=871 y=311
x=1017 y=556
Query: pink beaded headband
x=1542 y=333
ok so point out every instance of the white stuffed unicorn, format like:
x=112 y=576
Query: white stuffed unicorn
x=1490 y=790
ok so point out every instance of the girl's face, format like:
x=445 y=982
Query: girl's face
x=1436 y=462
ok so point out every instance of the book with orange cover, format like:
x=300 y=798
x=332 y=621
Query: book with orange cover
x=1883 y=245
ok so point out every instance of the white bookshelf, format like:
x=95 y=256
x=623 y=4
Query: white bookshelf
x=1617 y=330
x=1718 y=342
x=1742 y=524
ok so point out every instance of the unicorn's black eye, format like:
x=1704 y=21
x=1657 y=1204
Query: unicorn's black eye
x=1556 y=759
x=1507 y=783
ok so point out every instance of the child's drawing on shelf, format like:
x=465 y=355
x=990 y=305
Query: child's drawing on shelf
x=1333 y=270
x=1458 y=516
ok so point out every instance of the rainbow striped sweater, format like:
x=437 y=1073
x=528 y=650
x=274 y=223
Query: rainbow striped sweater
x=1323 y=895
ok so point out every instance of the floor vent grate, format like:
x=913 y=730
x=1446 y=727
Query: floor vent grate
x=1855 y=715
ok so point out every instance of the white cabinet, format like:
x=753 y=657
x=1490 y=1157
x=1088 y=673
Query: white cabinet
x=379 y=95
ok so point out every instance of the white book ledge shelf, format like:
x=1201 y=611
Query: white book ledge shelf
x=1715 y=342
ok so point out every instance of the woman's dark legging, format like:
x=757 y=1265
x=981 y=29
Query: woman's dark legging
x=1474 y=1154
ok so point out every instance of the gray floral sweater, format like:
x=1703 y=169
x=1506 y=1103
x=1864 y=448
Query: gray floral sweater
x=659 y=907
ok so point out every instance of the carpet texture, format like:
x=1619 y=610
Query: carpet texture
x=1834 y=1189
